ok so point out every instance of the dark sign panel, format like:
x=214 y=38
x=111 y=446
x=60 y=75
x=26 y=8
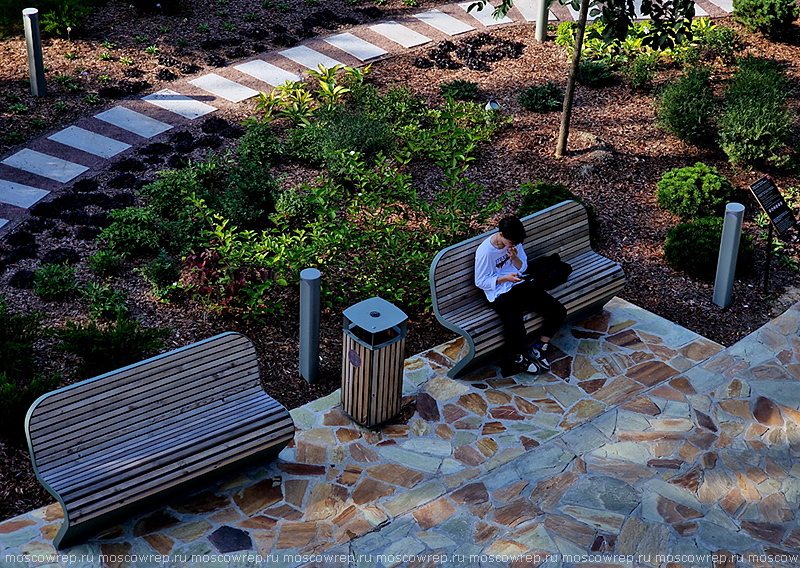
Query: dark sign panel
x=773 y=204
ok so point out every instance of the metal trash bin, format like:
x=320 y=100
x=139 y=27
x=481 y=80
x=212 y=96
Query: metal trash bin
x=372 y=362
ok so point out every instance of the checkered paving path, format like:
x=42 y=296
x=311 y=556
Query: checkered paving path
x=51 y=162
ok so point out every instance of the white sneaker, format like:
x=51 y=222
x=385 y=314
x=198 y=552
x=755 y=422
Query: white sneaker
x=538 y=355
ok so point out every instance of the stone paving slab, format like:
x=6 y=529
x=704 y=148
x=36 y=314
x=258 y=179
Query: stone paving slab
x=90 y=142
x=182 y=105
x=3 y=223
x=400 y=34
x=133 y=121
x=530 y=10
x=267 y=72
x=44 y=165
x=308 y=57
x=444 y=22
x=726 y=5
x=225 y=88
x=485 y=16
x=355 y=46
x=19 y=194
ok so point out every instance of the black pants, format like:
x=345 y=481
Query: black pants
x=522 y=298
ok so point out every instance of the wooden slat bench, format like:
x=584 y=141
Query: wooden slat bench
x=141 y=436
x=461 y=306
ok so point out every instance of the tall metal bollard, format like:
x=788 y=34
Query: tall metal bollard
x=30 y=19
x=728 y=251
x=541 y=20
x=309 y=324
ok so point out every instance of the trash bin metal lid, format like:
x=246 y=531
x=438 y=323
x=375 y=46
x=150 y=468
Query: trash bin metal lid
x=375 y=315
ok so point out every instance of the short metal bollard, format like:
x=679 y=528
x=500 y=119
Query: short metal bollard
x=728 y=253
x=372 y=365
x=309 y=324
x=33 y=40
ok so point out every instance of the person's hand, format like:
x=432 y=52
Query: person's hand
x=512 y=253
x=514 y=277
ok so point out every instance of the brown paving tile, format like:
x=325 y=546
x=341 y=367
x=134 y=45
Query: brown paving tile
x=768 y=532
x=747 y=488
x=771 y=371
x=258 y=523
x=444 y=431
x=581 y=412
x=490 y=428
x=470 y=494
x=708 y=460
x=598 y=322
x=672 y=463
x=202 y=503
x=739 y=408
x=774 y=470
x=396 y=475
x=774 y=508
x=700 y=350
x=592 y=386
x=651 y=373
x=264 y=541
x=154 y=522
x=525 y=406
x=643 y=405
x=505 y=412
x=336 y=417
x=570 y=529
x=617 y=391
x=351 y=530
x=510 y=492
x=396 y=431
x=49 y=531
x=161 y=543
x=263 y=494
x=427 y=407
x=473 y=402
x=562 y=368
x=767 y=413
x=548 y=405
x=528 y=443
x=350 y=475
x=689 y=480
x=516 y=513
x=433 y=513
x=294 y=492
x=311 y=452
x=622 y=470
x=112 y=533
x=295 y=535
x=15 y=524
x=703 y=440
x=630 y=436
x=487 y=446
x=370 y=490
x=792 y=540
x=451 y=413
x=345 y=435
x=301 y=468
x=468 y=456
x=324 y=501
x=361 y=453
x=688 y=452
x=628 y=339
x=284 y=512
x=497 y=397
x=484 y=532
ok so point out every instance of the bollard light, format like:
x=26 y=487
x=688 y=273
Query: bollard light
x=33 y=40
x=309 y=324
x=728 y=251
x=491 y=105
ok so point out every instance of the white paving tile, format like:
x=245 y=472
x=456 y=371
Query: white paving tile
x=225 y=88
x=3 y=223
x=444 y=23
x=726 y=5
x=699 y=11
x=485 y=16
x=44 y=165
x=90 y=142
x=307 y=57
x=267 y=72
x=399 y=33
x=530 y=10
x=133 y=121
x=179 y=104
x=20 y=195
x=355 y=46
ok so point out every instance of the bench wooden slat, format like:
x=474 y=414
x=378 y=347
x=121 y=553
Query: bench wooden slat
x=140 y=436
x=462 y=307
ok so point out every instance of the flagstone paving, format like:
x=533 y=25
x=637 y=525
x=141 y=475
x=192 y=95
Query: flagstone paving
x=647 y=445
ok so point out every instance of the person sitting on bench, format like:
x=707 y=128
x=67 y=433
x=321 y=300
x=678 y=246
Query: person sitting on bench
x=500 y=262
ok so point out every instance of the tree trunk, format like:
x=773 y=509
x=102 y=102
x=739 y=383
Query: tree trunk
x=561 y=147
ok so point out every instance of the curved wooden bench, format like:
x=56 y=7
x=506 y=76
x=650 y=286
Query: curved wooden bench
x=461 y=306
x=140 y=436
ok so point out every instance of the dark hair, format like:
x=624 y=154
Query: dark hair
x=512 y=229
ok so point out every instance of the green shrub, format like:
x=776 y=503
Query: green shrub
x=260 y=146
x=321 y=142
x=104 y=262
x=694 y=192
x=105 y=302
x=64 y=14
x=295 y=207
x=162 y=272
x=694 y=248
x=54 y=282
x=111 y=346
x=20 y=385
x=459 y=89
x=769 y=17
x=594 y=74
x=756 y=123
x=132 y=231
x=640 y=70
x=542 y=98
x=541 y=195
x=720 y=41
x=687 y=105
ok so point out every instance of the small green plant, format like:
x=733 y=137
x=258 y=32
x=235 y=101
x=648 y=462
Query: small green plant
x=104 y=79
x=105 y=347
x=104 y=302
x=182 y=42
x=61 y=106
x=162 y=273
x=228 y=27
x=15 y=137
x=91 y=99
x=770 y=17
x=694 y=248
x=141 y=39
x=104 y=56
x=594 y=73
x=18 y=109
x=411 y=3
x=38 y=123
x=222 y=13
x=640 y=71
x=267 y=4
x=54 y=282
x=132 y=231
x=126 y=61
x=108 y=45
x=163 y=30
x=694 y=192
x=151 y=50
x=540 y=195
x=104 y=262
x=204 y=28
x=542 y=98
x=687 y=105
x=250 y=17
x=71 y=55
x=459 y=89
x=12 y=98
x=284 y=7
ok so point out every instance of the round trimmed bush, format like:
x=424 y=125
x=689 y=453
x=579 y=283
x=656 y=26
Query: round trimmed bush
x=694 y=248
x=542 y=98
x=694 y=192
